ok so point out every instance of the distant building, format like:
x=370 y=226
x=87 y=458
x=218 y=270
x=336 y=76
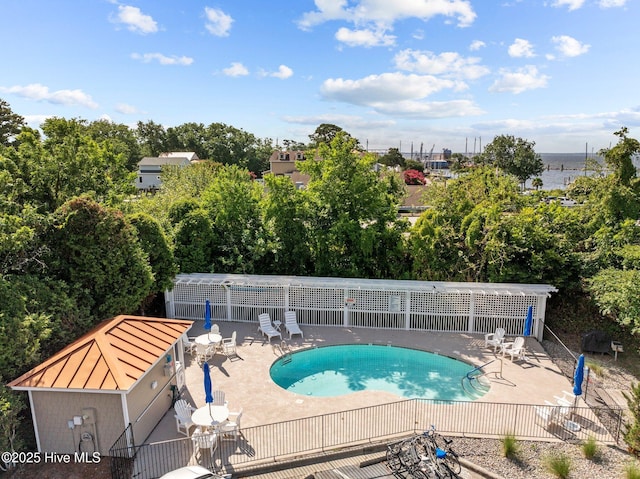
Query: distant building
x=283 y=163
x=149 y=168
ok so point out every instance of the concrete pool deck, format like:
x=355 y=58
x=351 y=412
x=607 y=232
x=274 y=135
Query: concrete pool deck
x=247 y=383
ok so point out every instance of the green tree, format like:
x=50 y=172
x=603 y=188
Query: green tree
x=152 y=138
x=537 y=183
x=393 y=157
x=353 y=229
x=514 y=156
x=11 y=405
x=285 y=217
x=10 y=124
x=119 y=139
x=617 y=294
x=96 y=250
x=194 y=242
x=620 y=157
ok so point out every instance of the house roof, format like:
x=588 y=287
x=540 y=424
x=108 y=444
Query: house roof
x=166 y=160
x=110 y=357
x=189 y=155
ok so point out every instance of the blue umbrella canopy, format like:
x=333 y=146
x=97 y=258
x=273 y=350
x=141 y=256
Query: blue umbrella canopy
x=208 y=397
x=528 y=323
x=578 y=376
x=207 y=315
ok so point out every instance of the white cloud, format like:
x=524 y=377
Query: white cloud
x=449 y=64
x=34 y=121
x=236 y=69
x=218 y=23
x=523 y=79
x=569 y=46
x=384 y=13
x=521 y=48
x=477 y=45
x=283 y=73
x=36 y=91
x=612 y=3
x=433 y=109
x=135 y=20
x=126 y=109
x=384 y=88
x=572 y=4
x=364 y=38
x=162 y=59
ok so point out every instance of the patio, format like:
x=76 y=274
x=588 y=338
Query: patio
x=247 y=383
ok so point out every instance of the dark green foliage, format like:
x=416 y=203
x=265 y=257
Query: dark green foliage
x=194 y=241
x=392 y=158
x=154 y=243
x=514 y=156
x=10 y=124
x=97 y=251
x=632 y=433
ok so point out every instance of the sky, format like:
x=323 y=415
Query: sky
x=408 y=74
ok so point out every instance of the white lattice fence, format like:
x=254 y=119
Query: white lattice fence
x=389 y=304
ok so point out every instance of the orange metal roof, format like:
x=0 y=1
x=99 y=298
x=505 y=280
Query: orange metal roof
x=112 y=356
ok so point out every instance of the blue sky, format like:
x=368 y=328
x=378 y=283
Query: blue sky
x=449 y=73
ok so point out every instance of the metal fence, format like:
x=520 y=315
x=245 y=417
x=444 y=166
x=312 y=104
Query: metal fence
x=320 y=434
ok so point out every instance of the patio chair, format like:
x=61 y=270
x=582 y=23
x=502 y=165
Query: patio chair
x=232 y=426
x=206 y=440
x=218 y=398
x=228 y=345
x=183 y=411
x=188 y=345
x=494 y=339
x=546 y=415
x=204 y=352
x=266 y=327
x=215 y=329
x=291 y=324
x=515 y=349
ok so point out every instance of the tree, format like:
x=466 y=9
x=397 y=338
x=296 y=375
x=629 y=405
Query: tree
x=537 y=183
x=96 y=250
x=152 y=138
x=413 y=177
x=354 y=231
x=514 y=156
x=324 y=134
x=392 y=158
x=194 y=242
x=10 y=124
x=620 y=157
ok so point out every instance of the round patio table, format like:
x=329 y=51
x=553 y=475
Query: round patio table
x=209 y=338
x=210 y=415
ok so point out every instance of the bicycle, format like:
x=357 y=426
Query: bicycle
x=441 y=453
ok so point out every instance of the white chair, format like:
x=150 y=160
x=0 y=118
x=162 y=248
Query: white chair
x=215 y=329
x=188 y=345
x=204 y=352
x=291 y=324
x=515 y=349
x=183 y=411
x=266 y=327
x=232 y=426
x=228 y=345
x=206 y=440
x=218 y=398
x=494 y=339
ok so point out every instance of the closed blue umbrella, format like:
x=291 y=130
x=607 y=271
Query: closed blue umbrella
x=207 y=315
x=578 y=376
x=208 y=397
x=528 y=323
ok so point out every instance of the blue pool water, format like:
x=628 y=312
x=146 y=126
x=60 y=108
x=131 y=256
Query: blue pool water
x=344 y=369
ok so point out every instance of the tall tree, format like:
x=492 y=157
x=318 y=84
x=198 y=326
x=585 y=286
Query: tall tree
x=620 y=157
x=10 y=124
x=514 y=156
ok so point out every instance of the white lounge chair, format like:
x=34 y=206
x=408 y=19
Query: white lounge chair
x=232 y=426
x=267 y=328
x=515 y=349
x=183 y=411
x=228 y=345
x=494 y=339
x=291 y=324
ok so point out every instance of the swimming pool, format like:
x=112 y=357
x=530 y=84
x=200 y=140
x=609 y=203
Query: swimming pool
x=343 y=369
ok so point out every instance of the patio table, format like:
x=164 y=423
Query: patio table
x=209 y=415
x=209 y=338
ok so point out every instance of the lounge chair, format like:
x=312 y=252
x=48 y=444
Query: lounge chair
x=494 y=339
x=291 y=324
x=183 y=411
x=267 y=328
x=228 y=345
x=515 y=349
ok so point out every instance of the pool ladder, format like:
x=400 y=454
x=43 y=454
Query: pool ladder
x=285 y=352
x=479 y=383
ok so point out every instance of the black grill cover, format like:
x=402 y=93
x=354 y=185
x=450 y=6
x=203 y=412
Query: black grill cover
x=596 y=342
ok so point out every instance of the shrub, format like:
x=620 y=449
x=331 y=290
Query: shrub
x=414 y=177
x=510 y=446
x=632 y=471
x=632 y=434
x=558 y=464
x=590 y=448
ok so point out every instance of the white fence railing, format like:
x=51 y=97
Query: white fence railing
x=347 y=302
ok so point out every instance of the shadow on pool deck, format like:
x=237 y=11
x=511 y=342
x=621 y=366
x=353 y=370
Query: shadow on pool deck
x=247 y=383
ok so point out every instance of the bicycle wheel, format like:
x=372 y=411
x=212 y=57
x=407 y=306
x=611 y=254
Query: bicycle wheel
x=393 y=460
x=452 y=462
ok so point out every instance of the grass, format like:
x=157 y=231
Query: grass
x=590 y=448
x=632 y=471
x=558 y=464
x=510 y=446
x=596 y=368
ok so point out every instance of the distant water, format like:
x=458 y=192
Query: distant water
x=563 y=168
